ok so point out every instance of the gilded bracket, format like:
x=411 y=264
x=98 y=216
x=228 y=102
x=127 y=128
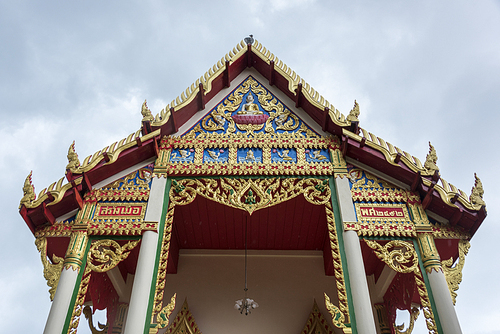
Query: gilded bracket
x=398 y=255
x=413 y=317
x=454 y=274
x=105 y=254
x=51 y=271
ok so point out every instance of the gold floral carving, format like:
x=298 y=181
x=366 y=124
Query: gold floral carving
x=430 y=160
x=76 y=250
x=476 y=196
x=338 y=318
x=134 y=187
x=103 y=328
x=162 y=265
x=381 y=229
x=120 y=226
x=163 y=316
x=51 y=271
x=316 y=323
x=184 y=322
x=337 y=266
x=73 y=161
x=413 y=317
x=28 y=192
x=397 y=254
x=105 y=254
x=454 y=274
x=80 y=299
x=250 y=194
x=449 y=232
x=59 y=229
x=146 y=113
x=430 y=255
x=425 y=304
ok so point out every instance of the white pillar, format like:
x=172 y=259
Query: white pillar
x=67 y=283
x=141 y=289
x=444 y=304
x=365 y=322
x=62 y=300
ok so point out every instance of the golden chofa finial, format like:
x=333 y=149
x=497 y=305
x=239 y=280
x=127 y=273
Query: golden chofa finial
x=28 y=192
x=431 y=159
x=73 y=161
x=146 y=113
x=354 y=113
x=476 y=196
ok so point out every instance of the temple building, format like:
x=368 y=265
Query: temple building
x=250 y=204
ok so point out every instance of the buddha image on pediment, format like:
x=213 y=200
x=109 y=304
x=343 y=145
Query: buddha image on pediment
x=250 y=108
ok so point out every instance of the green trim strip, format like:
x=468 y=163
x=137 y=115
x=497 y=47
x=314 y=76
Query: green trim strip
x=428 y=287
x=340 y=236
x=161 y=228
x=76 y=289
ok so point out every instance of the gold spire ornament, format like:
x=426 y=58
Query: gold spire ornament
x=476 y=196
x=354 y=113
x=73 y=161
x=431 y=159
x=28 y=192
x=146 y=113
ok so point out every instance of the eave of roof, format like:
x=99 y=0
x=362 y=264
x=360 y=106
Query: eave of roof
x=443 y=199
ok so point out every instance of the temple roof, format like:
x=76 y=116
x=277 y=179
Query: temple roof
x=444 y=202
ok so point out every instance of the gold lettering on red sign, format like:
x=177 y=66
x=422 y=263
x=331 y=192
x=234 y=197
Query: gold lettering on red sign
x=381 y=212
x=120 y=210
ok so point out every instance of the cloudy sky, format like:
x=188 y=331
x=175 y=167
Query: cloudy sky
x=421 y=71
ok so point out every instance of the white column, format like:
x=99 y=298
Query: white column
x=141 y=289
x=365 y=322
x=67 y=283
x=444 y=304
x=62 y=300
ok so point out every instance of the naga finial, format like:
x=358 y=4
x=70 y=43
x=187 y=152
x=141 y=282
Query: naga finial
x=146 y=113
x=476 y=196
x=354 y=113
x=28 y=191
x=431 y=159
x=73 y=161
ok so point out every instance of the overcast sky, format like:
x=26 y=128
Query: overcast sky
x=421 y=71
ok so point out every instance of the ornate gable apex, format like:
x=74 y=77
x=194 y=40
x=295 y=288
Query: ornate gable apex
x=358 y=146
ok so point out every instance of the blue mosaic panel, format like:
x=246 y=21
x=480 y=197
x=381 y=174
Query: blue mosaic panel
x=184 y=155
x=249 y=155
x=216 y=155
x=317 y=155
x=284 y=155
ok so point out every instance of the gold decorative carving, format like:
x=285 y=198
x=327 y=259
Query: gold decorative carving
x=476 y=196
x=449 y=232
x=146 y=113
x=413 y=317
x=265 y=192
x=80 y=299
x=120 y=226
x=28 y=192
x=134 y=187
x=51 y=271
x=184 y=322
x=76 y=250
x=73 y=161
x=397 y=254
x=454 y=274
x=162 y=265
x=338 y=318
x=316 y=323
x=430 y=160
x=105 y=254
x=337 y=264
x=354 y=113
x=381 y=229
x=103 y=328
x=163 y=316
x=425 y=304
x=59 y=229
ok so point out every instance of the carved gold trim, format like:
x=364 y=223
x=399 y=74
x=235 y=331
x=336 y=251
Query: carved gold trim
x=397 y=254
x=28 y=192
x=105 y=254
x=337 y=265
x=163 y=316
x=250 y=194
x=338 y=317
x=184 y=322
x=76 y=250
x=430 y=255
x=426 y=304
x=51 y=271
x=454 y=274
x=381 y=229
x=430 y=161
x=413 y=317
x=80 y=299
